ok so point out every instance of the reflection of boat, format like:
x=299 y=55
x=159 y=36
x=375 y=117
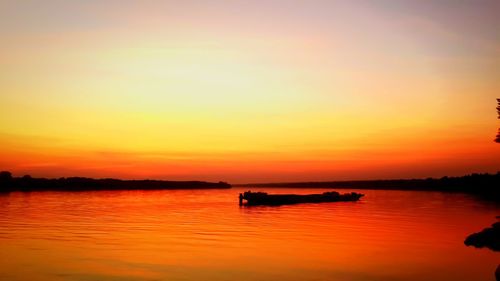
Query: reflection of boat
x=262 y=198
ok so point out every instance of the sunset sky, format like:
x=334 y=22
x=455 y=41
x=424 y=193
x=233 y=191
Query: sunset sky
x=249 y=91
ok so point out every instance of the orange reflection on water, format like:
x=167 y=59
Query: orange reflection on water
x=205 y=235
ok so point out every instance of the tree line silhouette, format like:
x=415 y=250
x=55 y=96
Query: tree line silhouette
x=27 y=183
x=497 y=139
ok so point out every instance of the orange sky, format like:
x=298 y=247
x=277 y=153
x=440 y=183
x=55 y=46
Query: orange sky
x=249 y=92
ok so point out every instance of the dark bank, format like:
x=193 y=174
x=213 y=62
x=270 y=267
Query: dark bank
x=28 y=183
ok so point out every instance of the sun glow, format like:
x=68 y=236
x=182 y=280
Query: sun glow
x=156 y=92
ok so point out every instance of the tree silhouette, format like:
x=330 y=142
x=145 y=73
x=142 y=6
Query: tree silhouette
x=497 y=139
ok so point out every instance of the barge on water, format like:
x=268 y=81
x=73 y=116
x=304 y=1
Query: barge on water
x=262 y=198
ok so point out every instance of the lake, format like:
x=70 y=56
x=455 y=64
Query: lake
x=205 y=235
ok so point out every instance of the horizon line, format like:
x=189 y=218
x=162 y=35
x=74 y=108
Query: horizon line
x=265 y=183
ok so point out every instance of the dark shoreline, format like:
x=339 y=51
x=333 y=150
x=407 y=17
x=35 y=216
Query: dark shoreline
x=27 y=183
x=483 y=185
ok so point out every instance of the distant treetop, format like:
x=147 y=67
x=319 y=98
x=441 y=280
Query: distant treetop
x=497 y=139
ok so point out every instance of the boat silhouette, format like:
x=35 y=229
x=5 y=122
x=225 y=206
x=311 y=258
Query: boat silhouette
x=250 y=198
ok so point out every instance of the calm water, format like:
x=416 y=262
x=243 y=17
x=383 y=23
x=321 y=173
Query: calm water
x=205 y=235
